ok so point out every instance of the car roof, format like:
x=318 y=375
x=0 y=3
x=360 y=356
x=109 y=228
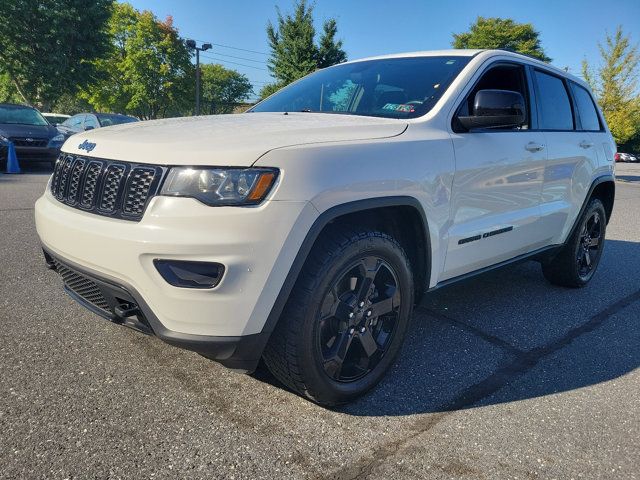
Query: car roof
x=463 y=52
x=98 y=114
x=112 y=115
x=17 y=105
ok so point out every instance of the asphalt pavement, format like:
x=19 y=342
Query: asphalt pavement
x=503 y=376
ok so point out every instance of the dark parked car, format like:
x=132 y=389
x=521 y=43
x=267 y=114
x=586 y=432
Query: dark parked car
x=34 y=138
x=88 y=121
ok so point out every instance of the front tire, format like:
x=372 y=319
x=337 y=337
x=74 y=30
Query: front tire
x=577 y=261
x=346 y=318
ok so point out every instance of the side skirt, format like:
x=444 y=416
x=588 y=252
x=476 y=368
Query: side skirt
x=539 y=254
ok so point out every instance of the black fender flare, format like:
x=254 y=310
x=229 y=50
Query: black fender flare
x=597 y=181
x=314 y=232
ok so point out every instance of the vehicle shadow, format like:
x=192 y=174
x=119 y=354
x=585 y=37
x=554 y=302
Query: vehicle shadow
x=628 y=178
x=511 y=328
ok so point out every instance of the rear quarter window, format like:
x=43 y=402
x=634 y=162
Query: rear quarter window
x=586 y=108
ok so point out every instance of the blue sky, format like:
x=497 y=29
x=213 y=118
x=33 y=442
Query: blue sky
x=569 y=30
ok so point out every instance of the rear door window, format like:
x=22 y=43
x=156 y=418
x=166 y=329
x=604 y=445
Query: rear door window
x=586 y=109
x=555 y=108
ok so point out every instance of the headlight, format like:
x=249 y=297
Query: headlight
x=4 y=140
x=57 y=139
x=220 y=186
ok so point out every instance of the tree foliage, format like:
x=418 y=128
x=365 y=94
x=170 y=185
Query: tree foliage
x=8 y=91
x=47 y=47
x=222 y=89
x=148 y=71
x=616 y=87
x=269 y=89
x=294 y=52
x=502 y=33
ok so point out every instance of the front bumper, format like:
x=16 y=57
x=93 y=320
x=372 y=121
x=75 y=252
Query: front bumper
x=33 y=154
x=257 y=246
x=121 y=304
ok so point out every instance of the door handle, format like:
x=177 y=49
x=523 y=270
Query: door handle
x=586 y=144
x=534 y=147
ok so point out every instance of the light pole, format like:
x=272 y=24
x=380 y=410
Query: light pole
x=203 y=48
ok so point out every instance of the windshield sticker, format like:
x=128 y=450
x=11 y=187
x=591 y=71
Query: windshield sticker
x=399 y=107
x=405 y=108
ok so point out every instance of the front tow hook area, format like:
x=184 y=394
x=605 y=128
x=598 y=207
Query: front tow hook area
x=130 y=315
x=126 y=310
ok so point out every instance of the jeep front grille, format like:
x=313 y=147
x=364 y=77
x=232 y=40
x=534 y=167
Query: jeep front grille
x=105 y=187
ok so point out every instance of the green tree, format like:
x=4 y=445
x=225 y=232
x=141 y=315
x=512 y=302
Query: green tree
x=269 y=89
x=70 y=105
x=615 y=86
x=330 y=50
x=222 y=89
x=148 y=72
x=294 y=52
x=502 y=33
x=8 y=91
x=47 y=46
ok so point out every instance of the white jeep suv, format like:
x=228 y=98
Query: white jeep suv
x=304 y=231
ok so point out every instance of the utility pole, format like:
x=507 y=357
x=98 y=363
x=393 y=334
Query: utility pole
x=203 y=48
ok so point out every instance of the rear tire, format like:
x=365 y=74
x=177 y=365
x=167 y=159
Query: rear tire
x=346 y=317
x=577 y=261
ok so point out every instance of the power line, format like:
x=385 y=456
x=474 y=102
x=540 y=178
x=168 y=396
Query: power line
x=240 y=58
x=233 y=48
x=234 y=63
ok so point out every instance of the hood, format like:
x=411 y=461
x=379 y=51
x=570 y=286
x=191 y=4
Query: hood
x=35 y=131
x=224 y=140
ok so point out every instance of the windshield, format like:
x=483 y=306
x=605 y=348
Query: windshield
x=55 y=119
x=108 y=120
x=21 y=116
x=395 y=88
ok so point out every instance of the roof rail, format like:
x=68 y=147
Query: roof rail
x=519 y=53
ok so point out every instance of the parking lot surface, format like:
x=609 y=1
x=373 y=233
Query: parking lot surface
x=503 y=376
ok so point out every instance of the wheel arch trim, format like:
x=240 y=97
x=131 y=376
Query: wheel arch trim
x=317 y=228
x=607 y=178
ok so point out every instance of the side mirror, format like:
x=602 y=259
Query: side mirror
x=88 y=127
x=496 y=109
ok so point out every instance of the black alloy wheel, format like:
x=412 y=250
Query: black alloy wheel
x=358 y=319
x=590 y=244
x=346 y=317
x=575 y=263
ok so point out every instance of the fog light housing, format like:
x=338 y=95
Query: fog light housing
x=187 y=274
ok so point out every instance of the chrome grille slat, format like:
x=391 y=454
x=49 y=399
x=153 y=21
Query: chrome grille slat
x=90 y=184
x=64 y=177
x=110 y=187
x=74 y=182
x=105 y=187
x=138 y=184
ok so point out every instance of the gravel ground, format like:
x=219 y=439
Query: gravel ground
x=504 y=376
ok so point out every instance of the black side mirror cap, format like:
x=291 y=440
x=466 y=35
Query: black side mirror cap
x=496 y=109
